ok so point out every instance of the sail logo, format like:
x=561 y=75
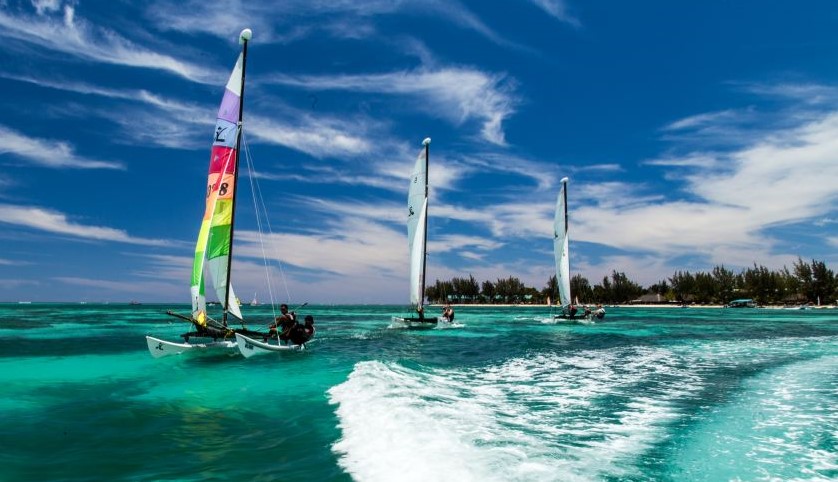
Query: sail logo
x=219 y=131
x=159 y=347
x=410 y=211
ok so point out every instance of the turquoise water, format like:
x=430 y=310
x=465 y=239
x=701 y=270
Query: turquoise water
x=646 y=395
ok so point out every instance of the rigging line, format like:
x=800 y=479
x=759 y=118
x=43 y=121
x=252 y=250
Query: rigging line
x=257 y=191
x=251 y=178
x=278 y=257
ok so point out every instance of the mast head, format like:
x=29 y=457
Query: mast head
x=426 y=141
x=564 y=180
x=246 y=35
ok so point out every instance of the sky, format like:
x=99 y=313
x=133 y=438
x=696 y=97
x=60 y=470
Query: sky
x=694 y=134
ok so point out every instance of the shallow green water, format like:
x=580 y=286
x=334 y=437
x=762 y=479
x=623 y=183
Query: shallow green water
x=648 y=394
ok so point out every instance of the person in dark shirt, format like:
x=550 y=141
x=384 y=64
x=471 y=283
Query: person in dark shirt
x=284 y=323
x=302 y=333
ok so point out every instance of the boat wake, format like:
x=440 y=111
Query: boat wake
x=627 y=412
x=546 y=417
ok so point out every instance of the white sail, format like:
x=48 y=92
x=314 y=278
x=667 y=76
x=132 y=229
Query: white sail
x=560 y=246
x=417 y=257
x=417 y=211
x=218 y=276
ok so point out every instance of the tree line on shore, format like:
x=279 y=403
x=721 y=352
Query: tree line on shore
x=805 y=283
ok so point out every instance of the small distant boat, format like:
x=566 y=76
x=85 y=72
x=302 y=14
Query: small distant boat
x=24 y=302
x=417 y=240
x=561 y=253
x=134 y=302
x=254 y=301
x=742 y=303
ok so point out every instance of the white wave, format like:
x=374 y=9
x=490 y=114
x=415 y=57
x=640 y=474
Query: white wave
x=546 y=417
x=446 y=325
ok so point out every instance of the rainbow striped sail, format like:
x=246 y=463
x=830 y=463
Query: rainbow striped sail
x=216 y=234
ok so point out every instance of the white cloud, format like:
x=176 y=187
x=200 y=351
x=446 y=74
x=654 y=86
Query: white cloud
x=543 y=174
x=12 y=262
x=707 y=118
x=316 y=136
x=456 y=94
x=696 y=159
x=47 y=153
x=454 y=243
x=294 y=19
x=730 y=207
x=312 y=174
x=773 y=179
x=367 y=249
x=557 y=9
x=71 y=35
x=600 y=168
x=391 y=174
x=731 y=128
x=55 y=222
x=47 y=6
x=321 y=136
x=808 y=93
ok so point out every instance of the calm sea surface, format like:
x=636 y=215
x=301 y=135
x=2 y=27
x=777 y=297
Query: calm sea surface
x=646 y=395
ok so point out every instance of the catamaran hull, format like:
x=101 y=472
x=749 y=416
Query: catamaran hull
x=250 y=347
x=417 y=323
x=160 y=348
x=579 y=319
x=591 y=317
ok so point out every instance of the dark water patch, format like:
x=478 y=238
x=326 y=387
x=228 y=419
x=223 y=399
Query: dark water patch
x=66 y=346
x=101 y=432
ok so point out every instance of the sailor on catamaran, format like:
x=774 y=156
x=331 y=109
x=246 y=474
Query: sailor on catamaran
x=287 y=329
x=281 y=327
x=300 y=334
x=448 y=313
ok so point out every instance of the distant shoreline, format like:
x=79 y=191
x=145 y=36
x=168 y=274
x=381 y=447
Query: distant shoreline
x=439 y=305
x=637 y=305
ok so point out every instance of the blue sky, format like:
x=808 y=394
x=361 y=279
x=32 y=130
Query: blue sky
x=693 y=135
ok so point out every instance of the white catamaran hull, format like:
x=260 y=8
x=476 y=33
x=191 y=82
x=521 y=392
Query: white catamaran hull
x=160 y=348
x=584 y=320
x=428 y=324
x=249 y=347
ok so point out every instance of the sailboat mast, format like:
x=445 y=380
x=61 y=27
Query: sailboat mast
x=564 y=193
x=244 y=37
x=427 y=143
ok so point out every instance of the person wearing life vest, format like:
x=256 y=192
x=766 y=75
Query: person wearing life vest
x=284 y=323
x=300 y=334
